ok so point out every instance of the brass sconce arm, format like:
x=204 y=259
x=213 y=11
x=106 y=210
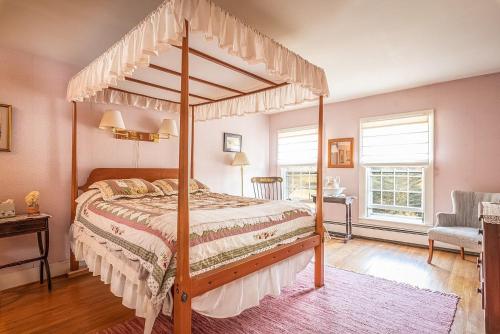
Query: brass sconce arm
x=136 y=135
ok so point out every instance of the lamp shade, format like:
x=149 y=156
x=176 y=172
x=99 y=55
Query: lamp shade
x=240 y=159
x=168 y=128
x=112 y=119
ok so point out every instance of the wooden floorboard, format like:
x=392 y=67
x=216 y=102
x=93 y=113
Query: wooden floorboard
x=84 y=304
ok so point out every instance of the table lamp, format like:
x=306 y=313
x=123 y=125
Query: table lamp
x=240 y=159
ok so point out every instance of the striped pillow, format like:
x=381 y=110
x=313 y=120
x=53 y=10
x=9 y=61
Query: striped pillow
x=171 y=186
x=129 y=188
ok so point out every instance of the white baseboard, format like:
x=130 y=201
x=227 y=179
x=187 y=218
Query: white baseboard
x=416 y=237
x=11 y=279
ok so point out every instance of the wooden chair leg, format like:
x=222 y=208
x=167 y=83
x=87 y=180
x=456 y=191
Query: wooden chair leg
x=431 y=251
x=462 y=253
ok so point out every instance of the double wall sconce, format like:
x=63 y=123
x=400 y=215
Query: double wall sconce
x=112 y=120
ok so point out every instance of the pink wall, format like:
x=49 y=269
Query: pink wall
x=41 y=152
x=467 y=133
x=40 y=156
x=214 y=165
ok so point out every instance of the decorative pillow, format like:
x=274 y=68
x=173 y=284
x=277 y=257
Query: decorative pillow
x=131 y=188
x=171 y=186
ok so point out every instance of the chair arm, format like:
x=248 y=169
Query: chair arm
x=445 y=219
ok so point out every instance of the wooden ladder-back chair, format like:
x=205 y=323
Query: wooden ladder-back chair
x=268 y=187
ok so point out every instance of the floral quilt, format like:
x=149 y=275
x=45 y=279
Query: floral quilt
x=223 y=229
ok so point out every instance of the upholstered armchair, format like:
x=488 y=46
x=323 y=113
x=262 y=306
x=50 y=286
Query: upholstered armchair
x=460 y=228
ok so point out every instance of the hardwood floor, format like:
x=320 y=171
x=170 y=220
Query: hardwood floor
x=84 y=304
x=447 y=273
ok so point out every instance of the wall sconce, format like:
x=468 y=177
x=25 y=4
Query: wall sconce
x=112 y=120
x=168 y=128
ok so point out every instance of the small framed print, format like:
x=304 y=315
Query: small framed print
x=5 y=127
x=232 y=142
x=340 y=153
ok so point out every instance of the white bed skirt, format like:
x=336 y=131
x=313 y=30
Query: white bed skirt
x=128 y=282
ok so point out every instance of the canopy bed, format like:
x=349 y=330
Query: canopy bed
x=225 y=68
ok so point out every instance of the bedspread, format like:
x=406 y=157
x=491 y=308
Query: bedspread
x=223 y=229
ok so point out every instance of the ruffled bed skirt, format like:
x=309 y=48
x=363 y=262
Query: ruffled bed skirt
x=127 y=280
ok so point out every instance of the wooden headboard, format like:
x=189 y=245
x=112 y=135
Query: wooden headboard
x=148 y=174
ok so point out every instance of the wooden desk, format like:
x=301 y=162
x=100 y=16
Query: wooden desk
x=27 y=224
x=347 y=202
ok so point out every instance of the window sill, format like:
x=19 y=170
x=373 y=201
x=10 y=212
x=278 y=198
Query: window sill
x=388 y=222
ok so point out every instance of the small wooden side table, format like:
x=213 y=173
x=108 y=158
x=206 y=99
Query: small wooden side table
x=27 y=224
x=347 y=201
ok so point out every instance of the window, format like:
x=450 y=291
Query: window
x=297 y=157
x=396 y=192
x=299 y=182
x=396 y=166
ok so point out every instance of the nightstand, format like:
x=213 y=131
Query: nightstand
x=27 y=224
x=347 y=202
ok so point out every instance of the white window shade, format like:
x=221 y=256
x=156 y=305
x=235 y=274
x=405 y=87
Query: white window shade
x=398 y=140
x=298 y=146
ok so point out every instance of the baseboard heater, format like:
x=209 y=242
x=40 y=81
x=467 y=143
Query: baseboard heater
x=391 y=229
x=379 y=228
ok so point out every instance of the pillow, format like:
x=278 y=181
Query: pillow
x=171 y=186
x=131 y=188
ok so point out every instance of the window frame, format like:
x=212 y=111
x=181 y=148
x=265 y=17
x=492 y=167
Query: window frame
x=428 y=176
x=279 y=167
x=285 y=184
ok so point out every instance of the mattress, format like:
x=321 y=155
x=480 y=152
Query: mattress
x=130 y=243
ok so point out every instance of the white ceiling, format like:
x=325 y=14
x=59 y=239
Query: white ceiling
x=366 y=47
x=71 y=31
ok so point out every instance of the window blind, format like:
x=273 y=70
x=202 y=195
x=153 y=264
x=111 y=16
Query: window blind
x=398 y=140
x=298 y=146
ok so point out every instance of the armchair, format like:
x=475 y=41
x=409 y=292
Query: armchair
x=460 y=228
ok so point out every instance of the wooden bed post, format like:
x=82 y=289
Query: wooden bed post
x=319 y=271
x=192 y=142
x=182 y=285
x=73 y=263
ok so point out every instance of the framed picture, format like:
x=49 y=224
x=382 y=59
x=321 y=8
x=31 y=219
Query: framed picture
x=5 y=127
x=340 y=153
x=232 y=142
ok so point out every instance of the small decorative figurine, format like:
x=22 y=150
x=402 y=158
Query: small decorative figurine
x=7 y=209
x=31 y=200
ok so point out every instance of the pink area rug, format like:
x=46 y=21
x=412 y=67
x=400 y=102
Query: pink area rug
x=348 y=303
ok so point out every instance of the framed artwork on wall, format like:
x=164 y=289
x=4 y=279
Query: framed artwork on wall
x=232 y=142
x=5 y=127
x=340 y=153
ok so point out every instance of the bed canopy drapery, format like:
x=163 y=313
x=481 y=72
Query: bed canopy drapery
x=233 y=68
x=193 y=58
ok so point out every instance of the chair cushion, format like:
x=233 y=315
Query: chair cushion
x=467 y=237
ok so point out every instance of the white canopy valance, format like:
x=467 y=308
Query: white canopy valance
x=223 y=36
x=266 y=101
x=134 y=100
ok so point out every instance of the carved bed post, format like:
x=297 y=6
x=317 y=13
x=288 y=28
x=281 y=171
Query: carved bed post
x=192 y=142
x=319 y=250
x=73 y=264
x=182 y=285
